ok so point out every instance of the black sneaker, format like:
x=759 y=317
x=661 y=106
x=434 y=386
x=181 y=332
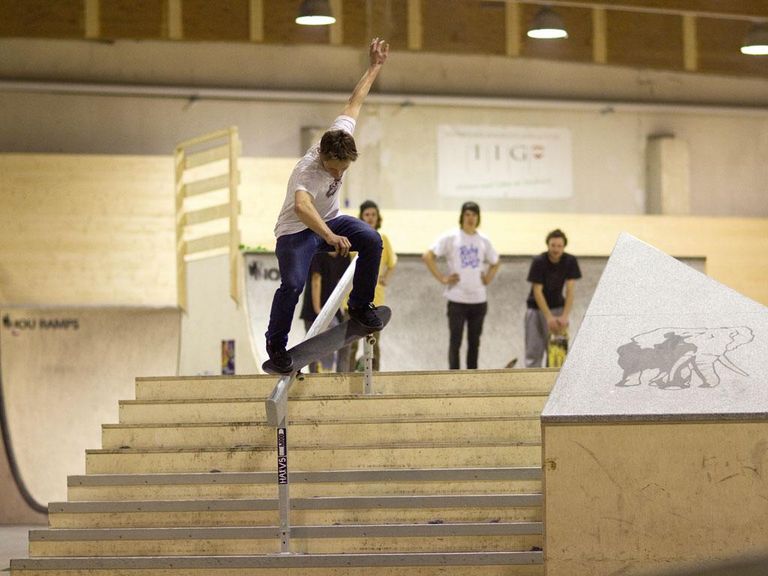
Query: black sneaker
x=280 y=358
x=366 y=316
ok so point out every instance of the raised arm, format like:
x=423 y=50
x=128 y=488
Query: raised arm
x=377 y=55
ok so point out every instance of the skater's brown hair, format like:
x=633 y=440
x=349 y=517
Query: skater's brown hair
x=338 y=145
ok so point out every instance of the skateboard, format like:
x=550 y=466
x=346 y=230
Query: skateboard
x=326 y=342
x=557 y=349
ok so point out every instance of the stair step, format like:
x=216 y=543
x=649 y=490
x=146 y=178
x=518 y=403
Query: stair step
x=339 y=564
x=260 y=386
x=305 y=511
x=245 y=459
x=250 y=485
x=318 y=433
x=331 y=407
x=446 y=537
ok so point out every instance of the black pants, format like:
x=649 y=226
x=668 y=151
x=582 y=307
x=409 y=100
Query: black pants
x=473 y=315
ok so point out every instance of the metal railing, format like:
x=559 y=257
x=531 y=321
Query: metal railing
x=277 y=405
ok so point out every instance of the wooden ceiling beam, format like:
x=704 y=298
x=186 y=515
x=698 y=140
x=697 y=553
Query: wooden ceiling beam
x=599 y=36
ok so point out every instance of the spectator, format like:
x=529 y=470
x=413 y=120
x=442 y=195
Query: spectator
x=547 y=310
x=369 y=212
x=472 y=263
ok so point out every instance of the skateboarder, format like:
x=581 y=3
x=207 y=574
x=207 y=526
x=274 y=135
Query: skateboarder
x=547 y=310
x=310 y=221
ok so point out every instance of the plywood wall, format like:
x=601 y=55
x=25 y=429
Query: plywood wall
x=86 y=230
x=736 y=249
x=654 y=498
x=634 y=39
x=99 y=230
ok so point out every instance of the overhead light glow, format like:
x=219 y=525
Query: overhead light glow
x=315 y=13
x=547 y=33
x=756 y=42
x=547 y=24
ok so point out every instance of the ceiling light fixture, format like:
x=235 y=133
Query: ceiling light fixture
x=315 y=13
x=756 y=42
x=547 y=24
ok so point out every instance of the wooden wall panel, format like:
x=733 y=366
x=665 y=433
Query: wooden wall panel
x=742 y=7
x=635 y=39
x=719 y=48
x=98 y=230
x=87 y=230
x=220 y=20
x=383 y=18
x=280 y=26
x=140 y=19
x=645 y=40
x=42 y=18
x=578 y=45
x=464 y=27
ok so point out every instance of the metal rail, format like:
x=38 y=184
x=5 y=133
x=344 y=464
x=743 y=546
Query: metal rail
x=277 y=406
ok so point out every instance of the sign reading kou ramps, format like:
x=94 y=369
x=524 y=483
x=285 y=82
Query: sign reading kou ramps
x=19 y=323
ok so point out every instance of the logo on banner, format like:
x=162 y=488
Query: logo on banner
x=261 y=272
x=282 y=456
x=17 y=325
x=488 y=161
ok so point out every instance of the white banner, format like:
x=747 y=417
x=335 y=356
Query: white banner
x=504 y=162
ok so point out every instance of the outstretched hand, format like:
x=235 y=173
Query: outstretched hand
x=378 y=52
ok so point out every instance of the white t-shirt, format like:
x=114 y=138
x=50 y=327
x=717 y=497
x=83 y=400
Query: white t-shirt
x=309 y=175
x=467 y=255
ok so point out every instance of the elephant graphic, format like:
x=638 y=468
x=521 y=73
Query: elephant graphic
x=673 y=358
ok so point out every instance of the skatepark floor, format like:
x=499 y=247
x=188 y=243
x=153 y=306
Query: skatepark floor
x=13 y=544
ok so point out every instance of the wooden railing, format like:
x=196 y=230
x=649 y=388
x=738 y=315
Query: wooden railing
x=207 y=204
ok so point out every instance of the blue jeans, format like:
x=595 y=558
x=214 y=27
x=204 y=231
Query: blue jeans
x=294 y=255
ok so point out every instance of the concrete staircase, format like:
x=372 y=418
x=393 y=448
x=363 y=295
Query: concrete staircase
x=436 y=473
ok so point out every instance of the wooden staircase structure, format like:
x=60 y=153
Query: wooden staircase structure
x=434 y=473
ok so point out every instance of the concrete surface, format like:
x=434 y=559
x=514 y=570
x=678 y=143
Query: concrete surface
x=63 y=371
x=14 y=543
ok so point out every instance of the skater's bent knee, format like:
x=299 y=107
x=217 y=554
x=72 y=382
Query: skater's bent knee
x=372 y=242
x=292 y=290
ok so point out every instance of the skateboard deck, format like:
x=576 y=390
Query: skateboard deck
x=326 y=342
x=557 y=349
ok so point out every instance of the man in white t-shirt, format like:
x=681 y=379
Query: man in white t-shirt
x=310 y=221
x=472 y=263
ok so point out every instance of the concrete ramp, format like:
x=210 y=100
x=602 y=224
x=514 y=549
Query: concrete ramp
x=662 y=340
x=63 y=371
x=656 y=432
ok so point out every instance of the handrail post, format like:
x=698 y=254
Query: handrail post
x=368 y=343
x=283 y=487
